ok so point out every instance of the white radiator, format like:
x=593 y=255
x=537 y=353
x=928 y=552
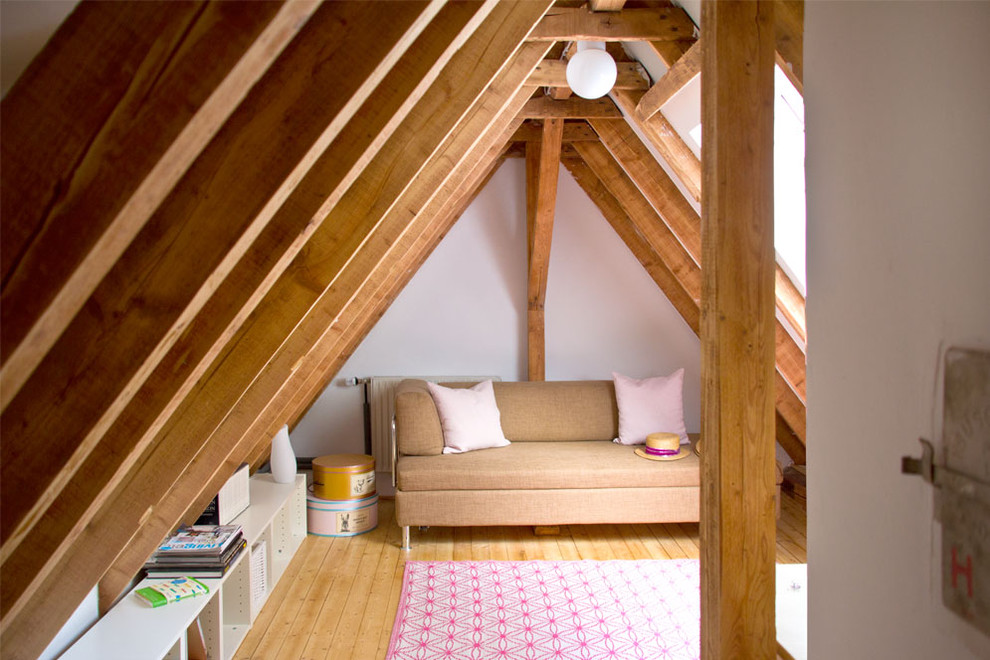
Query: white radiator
x=381 y=397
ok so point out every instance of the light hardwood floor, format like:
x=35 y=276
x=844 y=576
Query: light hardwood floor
x=338 y=597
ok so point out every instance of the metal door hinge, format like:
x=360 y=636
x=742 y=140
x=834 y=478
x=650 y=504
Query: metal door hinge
x=941 y=476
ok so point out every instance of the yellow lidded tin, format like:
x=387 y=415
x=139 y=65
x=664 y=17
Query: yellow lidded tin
x=344 y=476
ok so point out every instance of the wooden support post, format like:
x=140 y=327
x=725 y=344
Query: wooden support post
x=542 y=167
x=737 y=332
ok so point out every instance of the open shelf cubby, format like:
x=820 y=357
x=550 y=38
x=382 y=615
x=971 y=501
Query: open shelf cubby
x=274 y=525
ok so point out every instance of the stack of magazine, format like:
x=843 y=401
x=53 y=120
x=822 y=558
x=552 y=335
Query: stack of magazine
x=204 y=551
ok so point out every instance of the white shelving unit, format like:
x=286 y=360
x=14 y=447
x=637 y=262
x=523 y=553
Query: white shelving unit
x=274 y=526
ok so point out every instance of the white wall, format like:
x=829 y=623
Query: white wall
x=897 y=98
x=464 y=312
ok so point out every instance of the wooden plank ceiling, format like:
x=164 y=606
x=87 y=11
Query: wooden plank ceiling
x=206 y=207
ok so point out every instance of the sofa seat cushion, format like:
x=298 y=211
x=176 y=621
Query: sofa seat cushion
x=545 y=465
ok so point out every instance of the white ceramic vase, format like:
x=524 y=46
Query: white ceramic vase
x=283 y=459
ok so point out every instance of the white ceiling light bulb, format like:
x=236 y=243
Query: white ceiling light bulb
x=591 y=72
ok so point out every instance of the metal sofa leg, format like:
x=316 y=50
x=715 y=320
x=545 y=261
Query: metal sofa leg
x=406 y=545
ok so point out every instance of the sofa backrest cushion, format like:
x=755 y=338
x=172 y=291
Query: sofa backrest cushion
x=555 y=411
x=558 y=410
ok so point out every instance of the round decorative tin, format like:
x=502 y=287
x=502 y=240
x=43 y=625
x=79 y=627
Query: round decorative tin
x=341 y=517
x=344 y=476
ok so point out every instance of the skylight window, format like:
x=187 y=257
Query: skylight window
x=788 y=177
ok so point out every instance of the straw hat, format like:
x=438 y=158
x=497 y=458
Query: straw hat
x=663 y=447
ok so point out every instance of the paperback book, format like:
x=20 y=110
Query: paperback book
x=171 y=591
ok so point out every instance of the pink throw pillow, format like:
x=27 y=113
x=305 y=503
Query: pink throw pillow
x=650 y=405
x=469 y=417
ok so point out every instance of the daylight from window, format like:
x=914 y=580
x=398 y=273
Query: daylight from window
x=788 y=177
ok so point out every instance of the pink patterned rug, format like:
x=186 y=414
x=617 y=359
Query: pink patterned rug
x=548 y=609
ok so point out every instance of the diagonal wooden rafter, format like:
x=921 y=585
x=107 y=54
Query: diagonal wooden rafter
x=653 y=182
x=158 y=103
x=466 y=65
x=789 y=33
x=76 y=492
x=196 y=349
x=685 y=70
x=667 y=141
x=303 y=305
x=663 y=194
x=80 y=419
x=788 y=25
x=542 y=170
x=685 y=223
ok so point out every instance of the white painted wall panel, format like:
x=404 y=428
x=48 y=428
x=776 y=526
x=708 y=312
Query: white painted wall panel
x=898 y=266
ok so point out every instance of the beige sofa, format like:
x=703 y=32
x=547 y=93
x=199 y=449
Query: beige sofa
x=561 y=468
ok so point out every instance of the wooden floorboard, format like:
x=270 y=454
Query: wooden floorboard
x=339 y=596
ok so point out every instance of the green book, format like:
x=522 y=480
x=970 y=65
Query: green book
x=170 y=591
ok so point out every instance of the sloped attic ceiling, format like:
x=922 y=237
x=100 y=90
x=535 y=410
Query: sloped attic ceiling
x=207 y=206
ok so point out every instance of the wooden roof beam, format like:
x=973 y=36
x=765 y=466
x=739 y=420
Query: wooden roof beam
x=574 y=131
x=684 y=221
x=542 y=172
x=553 y=73
x=544 y=107
x=118 y=345
x=789 y=33
x=685 y=70
x=687 y=167
x=302 y=306
x=69 y=209
x=653 y=181
x=666 y=139
x=580 y=24
x=90 y=552
x=791 y=304
x=671 y=51
x=233 y=302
